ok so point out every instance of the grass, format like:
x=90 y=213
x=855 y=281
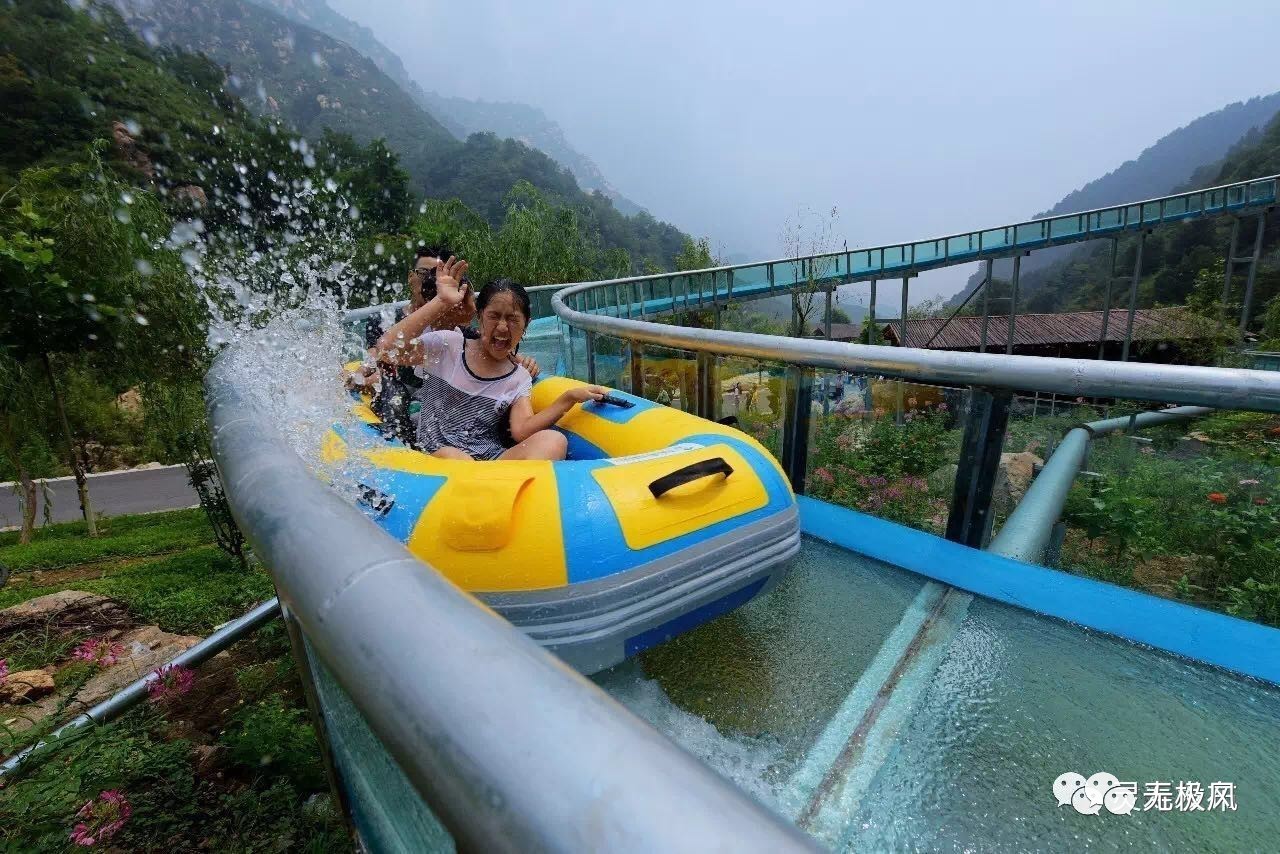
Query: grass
x=264 y=789
x=65 y=545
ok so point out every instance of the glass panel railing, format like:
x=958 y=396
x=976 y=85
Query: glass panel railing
x=965 y=244
x=1066 y=226
x=1151 y=212
x=1029 y=232
x=927 y=251
x=995 y=238
x=612 y=361
x=884 y=447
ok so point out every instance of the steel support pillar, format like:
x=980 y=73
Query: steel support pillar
x=969 y=522
x=591 y=357
x=1227 y=267
x=635 y=352
x=826 y=326
x=1013 y=303
x=902 y=317
x=708 y=395
x=1106 y=301
x=795 y=425
x=1253 y=273
x=1133 y=296
x=871 y=316
x=986 y=305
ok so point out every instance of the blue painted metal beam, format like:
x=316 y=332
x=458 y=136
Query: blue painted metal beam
x=1249 y=649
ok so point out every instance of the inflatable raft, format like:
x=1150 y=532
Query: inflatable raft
x=658 y=521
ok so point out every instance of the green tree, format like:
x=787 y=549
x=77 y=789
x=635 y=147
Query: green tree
x=77 y=277
x=695 y=255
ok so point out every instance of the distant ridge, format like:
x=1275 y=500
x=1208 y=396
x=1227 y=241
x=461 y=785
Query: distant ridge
x=1169 y=164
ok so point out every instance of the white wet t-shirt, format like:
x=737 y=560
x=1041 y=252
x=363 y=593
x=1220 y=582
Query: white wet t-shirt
x=459 y=409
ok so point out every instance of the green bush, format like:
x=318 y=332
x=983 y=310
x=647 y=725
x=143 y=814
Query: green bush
x=271 y=738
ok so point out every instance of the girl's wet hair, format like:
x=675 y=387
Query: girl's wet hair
x=492 y=289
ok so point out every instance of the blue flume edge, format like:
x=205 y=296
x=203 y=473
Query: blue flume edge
x=1250 y=649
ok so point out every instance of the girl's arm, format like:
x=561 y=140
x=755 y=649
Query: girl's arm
x=399 y=345
x=525 y=422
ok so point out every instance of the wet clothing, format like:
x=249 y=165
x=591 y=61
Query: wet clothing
x=462 y=410
x=400 y=384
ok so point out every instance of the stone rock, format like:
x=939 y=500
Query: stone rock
x=943 y=480
x=1013 y=478
x=26 y=686
x=129 y=400
x=129 y=150
x=189 y=194
x=65 y=610
x=145 y=649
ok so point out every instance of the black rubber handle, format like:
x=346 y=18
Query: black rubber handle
x=376 y=500
x=690 y=473
x=616 y=401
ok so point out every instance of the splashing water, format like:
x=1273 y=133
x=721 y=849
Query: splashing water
x=279 y=296
x=746 y=761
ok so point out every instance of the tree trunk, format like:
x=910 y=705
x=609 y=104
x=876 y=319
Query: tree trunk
x=82 y=483
x=26 y=485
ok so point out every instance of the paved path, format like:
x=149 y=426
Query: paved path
x=112 y=493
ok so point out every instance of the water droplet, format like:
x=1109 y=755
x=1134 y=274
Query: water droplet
x=317 y=60
x=126 y=197
x=132 y=126
x=88 y=297
x=378 y=249
x=330 y=184
x=123 y=216
x=140 y=320
x=143 y=266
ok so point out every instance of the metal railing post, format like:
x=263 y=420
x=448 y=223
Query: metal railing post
x=636 y=358
x=1133 y=296
x=795 y=425
x=707 y=393
x=902 y=318
x=969 y=521
x=1253 y=273
x=591 y=357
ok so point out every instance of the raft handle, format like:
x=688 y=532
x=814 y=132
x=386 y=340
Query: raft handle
x=376 y=500
x=690 y=473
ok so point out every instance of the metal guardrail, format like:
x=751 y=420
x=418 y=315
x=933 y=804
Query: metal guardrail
x=616 y=309
x=511 y=749
x=133 y=693
x=1027 y=531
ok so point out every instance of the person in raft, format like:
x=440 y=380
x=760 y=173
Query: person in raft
x=470 y=386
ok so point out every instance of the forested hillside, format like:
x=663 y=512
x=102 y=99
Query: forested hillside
x=461 y=116
x=1181 y=264
x=1190 y=155
x=312 y=82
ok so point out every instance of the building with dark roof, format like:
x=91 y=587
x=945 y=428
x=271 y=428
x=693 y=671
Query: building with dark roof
x=1159 y=334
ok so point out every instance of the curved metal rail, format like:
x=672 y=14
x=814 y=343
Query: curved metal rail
x=511 y=749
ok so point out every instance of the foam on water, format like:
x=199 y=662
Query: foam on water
x=745 y=760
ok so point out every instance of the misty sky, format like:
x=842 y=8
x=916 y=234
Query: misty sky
x=914 y=119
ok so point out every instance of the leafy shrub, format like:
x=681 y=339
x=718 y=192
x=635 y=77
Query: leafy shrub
x=273 y=739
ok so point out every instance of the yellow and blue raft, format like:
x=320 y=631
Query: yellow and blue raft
x=657 y=522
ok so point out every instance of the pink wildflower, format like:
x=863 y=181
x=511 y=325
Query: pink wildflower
x=170 y=680
x=102 y=818
x=4 y=670
x=823 y=475
x=99 y=651
x=844 y=441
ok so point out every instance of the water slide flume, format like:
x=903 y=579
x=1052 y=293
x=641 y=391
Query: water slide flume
x=658 y=521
